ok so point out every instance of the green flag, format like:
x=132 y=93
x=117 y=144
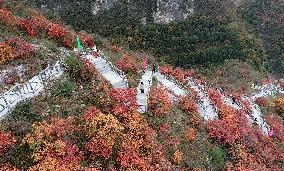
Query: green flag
x=79 y=45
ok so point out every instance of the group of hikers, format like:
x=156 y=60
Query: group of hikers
x=154 y=70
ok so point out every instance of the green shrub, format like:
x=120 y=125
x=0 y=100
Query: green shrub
x=64 y=89
x=24 y=112
x=73 y=66
x=218 y=156
x=21 y=157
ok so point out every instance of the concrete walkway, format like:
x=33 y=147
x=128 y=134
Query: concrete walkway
x=170 y=85
x=142 y=98
x=30 y=89
x=206 y=108
x=107 y=71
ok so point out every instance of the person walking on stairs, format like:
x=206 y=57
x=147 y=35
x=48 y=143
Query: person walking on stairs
x=142 y=87
x=154 y=68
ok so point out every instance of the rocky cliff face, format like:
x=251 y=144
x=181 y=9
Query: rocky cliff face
x=161 y=11
x=171 y=10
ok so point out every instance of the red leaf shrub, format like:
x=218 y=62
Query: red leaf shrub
x=87 y=40
x=39 y=24
x=6 y=141
x=21 y=49
x=90 y=113
x=116 y=48
x=27 y=25
x=127 y=64
x=6 y=17
x=165 y=128
x=131 y=158
x=51 y=145
x=159 y=101
x=179 y=74
x=125 y=101
x=277 y=125
x=187 y=104
x=233 y=130
x=57 y=31
x=228 y=131
x=215 y=97
x=261 y=101
x=99 y=147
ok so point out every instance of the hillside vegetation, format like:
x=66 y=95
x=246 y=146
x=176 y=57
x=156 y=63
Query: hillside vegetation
x=82 y=122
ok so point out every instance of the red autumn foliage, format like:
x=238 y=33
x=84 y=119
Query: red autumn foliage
x=190 y=73
x=52 y=146
x=165 y=128
x=56 y=31
x=90 y=113
x=233 y=129
x=228 y=131
x=39 y=24
x=215 y=97
x=86 y=39
x=27 y=25
x=116 y=48
x=131 y=158
x=125 y=101
x=173 y=142
x=6 y=17
x=99 y=147
x=187 y=104
x=159 y=101
x=21 y=49
x=127 y=64
x=179 y=74
x=193 y=93
x=277 y=125
x=166 y=70
x=261 y=101
x=6 y=141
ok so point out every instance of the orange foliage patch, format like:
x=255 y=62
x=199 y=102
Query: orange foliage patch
x=6 y=53
x=187 y=104
x=159 y=101
x=177 y=158
x=279 y=104
x=190 y=134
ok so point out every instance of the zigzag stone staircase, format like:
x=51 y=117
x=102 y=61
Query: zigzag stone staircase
x=142 y=97
x=206 y=109
x=105 y=69
x=9 y=99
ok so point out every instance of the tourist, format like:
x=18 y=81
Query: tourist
x=142 y=87
x=154 y=68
